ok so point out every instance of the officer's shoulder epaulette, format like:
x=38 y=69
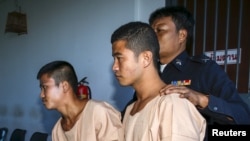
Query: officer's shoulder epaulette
x=200 y=58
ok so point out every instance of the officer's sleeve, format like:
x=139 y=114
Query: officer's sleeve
x=225 y=104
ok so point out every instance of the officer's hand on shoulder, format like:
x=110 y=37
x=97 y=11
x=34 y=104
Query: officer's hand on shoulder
x=198 y=99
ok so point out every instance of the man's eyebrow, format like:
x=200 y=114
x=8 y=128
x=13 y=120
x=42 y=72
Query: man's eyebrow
x=116 y=54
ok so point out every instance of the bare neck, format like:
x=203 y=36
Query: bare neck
x=148 y=86
x=146 y=91
x=71 y=112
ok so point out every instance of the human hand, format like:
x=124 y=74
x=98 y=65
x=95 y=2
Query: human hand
x=198 y=99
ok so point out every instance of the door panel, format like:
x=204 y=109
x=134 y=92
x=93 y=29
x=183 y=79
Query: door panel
x=222 y=25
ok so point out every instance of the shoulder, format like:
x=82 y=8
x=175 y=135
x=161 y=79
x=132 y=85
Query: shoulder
x=180 y=108
x=100 y=103
x=184 y=62
x=181 y=112
x=170 y=98
x=201 y=59
x=174 y=101
x=207 y=64
x=102 y=107
x=201 y=63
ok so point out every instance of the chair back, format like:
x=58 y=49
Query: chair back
x=3 y=133
x=18 y=135
x=39 y=136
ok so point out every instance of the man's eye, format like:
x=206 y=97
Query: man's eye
x=159 y=30
x=117 y=58
x=43 y=87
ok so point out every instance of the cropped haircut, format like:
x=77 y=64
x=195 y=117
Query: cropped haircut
x=139 y=37
x=181 y=17
x=60 y=71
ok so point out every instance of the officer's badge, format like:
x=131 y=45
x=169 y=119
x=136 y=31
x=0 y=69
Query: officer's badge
x=181 y=82
x=178 y=62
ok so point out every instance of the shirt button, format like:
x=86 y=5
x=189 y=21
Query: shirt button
x=215 y=108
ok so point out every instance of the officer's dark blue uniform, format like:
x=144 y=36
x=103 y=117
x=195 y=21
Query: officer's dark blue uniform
x=204 y=75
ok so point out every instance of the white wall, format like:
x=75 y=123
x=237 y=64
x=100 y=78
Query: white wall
x=77 y=31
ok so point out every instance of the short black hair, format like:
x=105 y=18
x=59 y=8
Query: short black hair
x=181 y=17
x=60 y=71
x=140 y=37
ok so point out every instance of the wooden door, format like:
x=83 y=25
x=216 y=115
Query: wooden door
x=222 y=26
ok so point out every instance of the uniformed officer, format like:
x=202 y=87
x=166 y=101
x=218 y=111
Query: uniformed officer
x=197 y=78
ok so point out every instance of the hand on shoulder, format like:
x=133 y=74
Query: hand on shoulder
x=198 y=99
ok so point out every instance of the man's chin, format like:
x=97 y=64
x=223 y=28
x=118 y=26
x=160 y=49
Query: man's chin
x=123 y=84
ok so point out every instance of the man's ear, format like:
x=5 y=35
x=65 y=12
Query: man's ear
x=147 y=58
x=65 y=86
x=182 y=35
